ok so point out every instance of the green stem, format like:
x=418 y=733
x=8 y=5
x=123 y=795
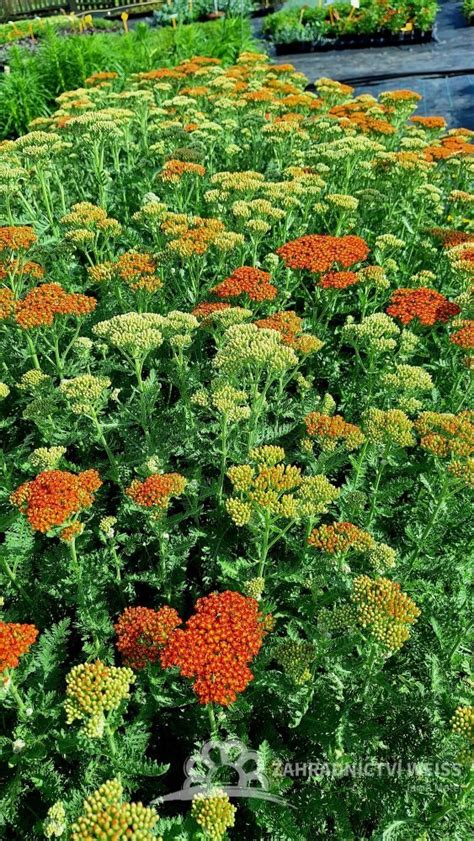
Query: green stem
x=102 y=439
x=143 y=409
x=380 y=471
x=14 y=691
x=212 y=721
x=11 y=575
x=265 y=547
x=32 y=350
x=220 y=486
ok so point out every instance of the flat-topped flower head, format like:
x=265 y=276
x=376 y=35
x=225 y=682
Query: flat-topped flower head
x=214 y=813
x=92 y=689
x=384 y=609
x=217 y=644
x=246 y=349
x=15 y=640
x=136 y=270
x=55 y=496
x=16 y=238
x=290 y=328
x=42 y=304
x=338 y=538
x=463 y=336
x=320 y=253
x=331 y=431
x=142 y=632
x=388 y=427
x=248 y=281
x=426 y=305
x=132 y=333
x=107 y=816
x=156 y=491
x=446 y=434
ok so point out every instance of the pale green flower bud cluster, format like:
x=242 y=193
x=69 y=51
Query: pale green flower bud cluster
x=46 y=458
x=376 y=333
x=382 y=557
x=85 y=392
x=4 y=391
x=296 y=658
x=231 y=402
x=389 y=241
x=33 y=380
x=55 y=824
x=137 y=334
x=246 y=349
x=409 y=378
x=345 y=202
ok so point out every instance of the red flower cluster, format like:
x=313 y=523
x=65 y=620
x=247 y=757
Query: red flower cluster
x=319 y=252
x=40 y=305
x=54 y=496
x=464 y=335
x=249 y=281
x=15 y=640
x=17 y=237
x=425 y=304
x=157 y=489
x=217 y=644
x=173 y=170
x=288 y=324
x=338 y=280
x=142 y=633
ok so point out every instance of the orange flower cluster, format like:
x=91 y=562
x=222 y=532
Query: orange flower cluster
x=157 y=490
x=340 y=537
x=30 y=268
x=338 y=280
x=137 y=270
x=464 y=335
x=17 y=238
x=42 y=303
x=205 y=309
x=7 y=303
x=100 y=76
x=142 y=633
x=330 y=430
x=449 y=146
x=191 y=235
x=290 y=327
x=429 y=122
x=217 y=644
x=249 y=281
x=319 y=252
x=173 y=171
x=449 y=237
x=54 y=496
x=446 y=434
x=15 y=640
x=426 y=305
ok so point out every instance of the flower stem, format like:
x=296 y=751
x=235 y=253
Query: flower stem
x=212 y=721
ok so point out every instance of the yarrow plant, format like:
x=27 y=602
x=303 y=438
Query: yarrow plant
x=237 y=457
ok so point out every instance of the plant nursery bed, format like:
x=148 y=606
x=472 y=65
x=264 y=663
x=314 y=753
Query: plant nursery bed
x=357 y=42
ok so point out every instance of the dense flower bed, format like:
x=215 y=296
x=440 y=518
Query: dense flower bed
x=238 y=440
x=322 y=23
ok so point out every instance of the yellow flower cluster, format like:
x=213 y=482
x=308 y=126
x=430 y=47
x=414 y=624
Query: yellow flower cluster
x=85 y=392
x=268 y=485
x=46 y=458
x=388 y=427
x=214 y=813
x=385 y=609
x=93 y=689
x=133 y=333
x=106 y=816
x=375 y=334
x=462 y=722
